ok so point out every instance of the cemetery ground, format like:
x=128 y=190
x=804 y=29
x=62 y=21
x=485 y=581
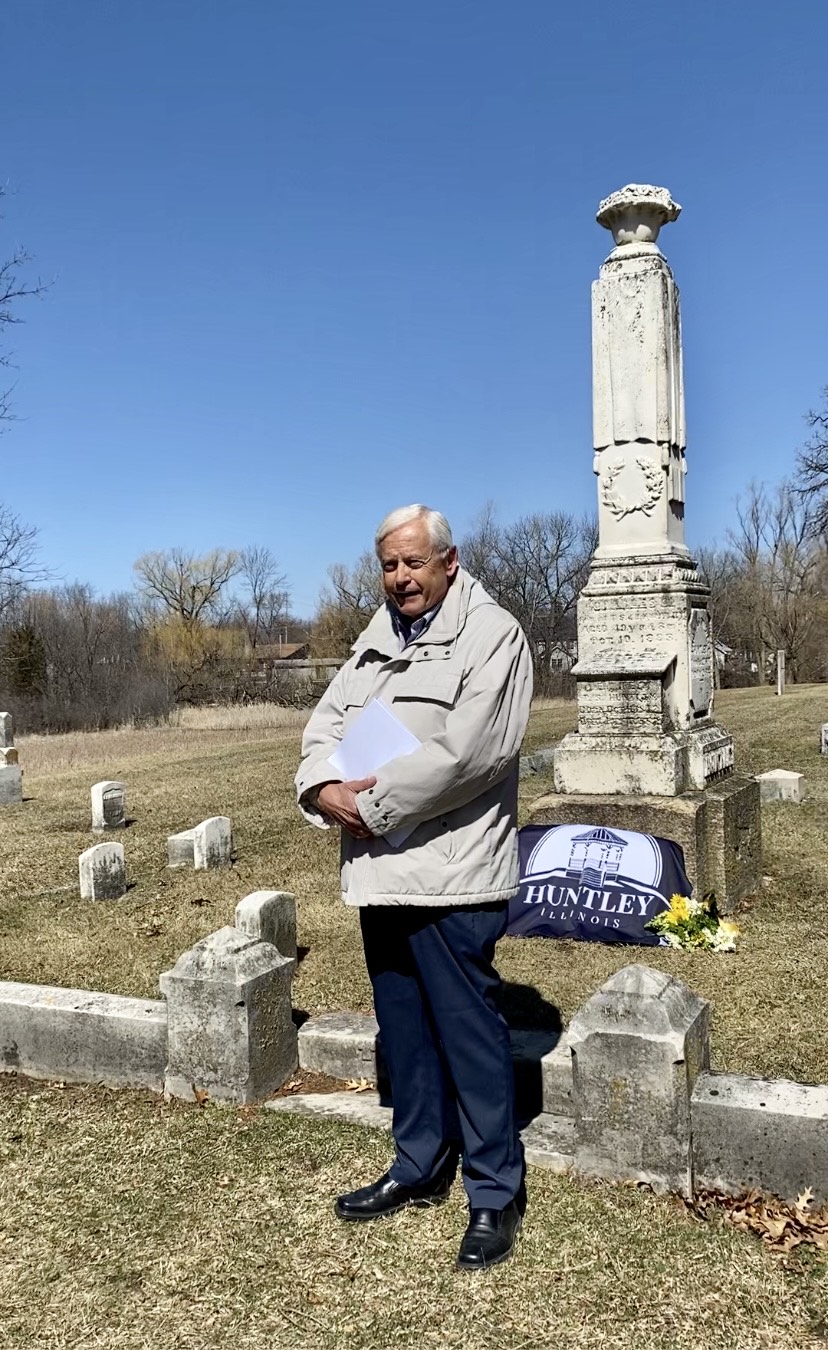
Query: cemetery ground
x=127 y=1222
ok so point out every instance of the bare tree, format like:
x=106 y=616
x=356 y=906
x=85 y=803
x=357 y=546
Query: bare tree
x=12 y=290
x=535 y=568
x=346 y=604
x=265 y=609
x=185 y=586
x=19 y=566
x=781 y=582
x=812 y=471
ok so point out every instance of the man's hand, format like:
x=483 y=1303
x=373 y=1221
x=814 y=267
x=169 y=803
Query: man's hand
x=337 y=800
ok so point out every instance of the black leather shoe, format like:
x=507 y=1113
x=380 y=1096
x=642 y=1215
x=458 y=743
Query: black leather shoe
x=490 y=1237
x=386 y=1196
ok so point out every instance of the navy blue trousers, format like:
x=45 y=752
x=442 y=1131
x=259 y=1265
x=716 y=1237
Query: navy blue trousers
x=445 y=1045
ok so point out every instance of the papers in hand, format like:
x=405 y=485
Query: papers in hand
x=373 y=739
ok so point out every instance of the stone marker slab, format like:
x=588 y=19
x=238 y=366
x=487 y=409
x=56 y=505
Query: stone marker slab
x=8 y=754
x=823 y=739
x=6 y=729
x=781 y=785
x=638 y=1046
x=549 y=1141
x=181 y=849
x=82 y=1036
x=108 y=805
x=102 y=871
x=271 y=916
x=231 y=1031
x=751 y=1132
x=212 y=843
x=11 y=785
x=342 y=1045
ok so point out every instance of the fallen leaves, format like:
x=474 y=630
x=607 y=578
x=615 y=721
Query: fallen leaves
x=358 y=1085
x=782 y=1226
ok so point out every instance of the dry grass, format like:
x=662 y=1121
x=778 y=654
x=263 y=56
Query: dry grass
x=770 y=1010
x=256 y=716
x=133 y=1225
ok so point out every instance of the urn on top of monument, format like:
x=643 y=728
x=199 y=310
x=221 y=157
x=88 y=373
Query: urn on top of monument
x=638 y=382
x=636 y=213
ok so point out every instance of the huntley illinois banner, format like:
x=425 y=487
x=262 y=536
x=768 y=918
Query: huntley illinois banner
x=588 y=882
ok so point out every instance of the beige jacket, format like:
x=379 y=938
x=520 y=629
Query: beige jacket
x=463 y=688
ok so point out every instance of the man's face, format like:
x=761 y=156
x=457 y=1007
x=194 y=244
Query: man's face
x=415 y=575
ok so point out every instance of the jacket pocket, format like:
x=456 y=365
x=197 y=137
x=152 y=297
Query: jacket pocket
x=426 y=686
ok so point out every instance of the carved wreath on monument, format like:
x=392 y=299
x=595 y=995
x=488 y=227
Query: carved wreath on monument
x=652 y=480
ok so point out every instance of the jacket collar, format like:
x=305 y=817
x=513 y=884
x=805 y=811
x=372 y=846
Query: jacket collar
x=463 y=595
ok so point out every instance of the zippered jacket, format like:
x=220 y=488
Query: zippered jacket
x=463 y=687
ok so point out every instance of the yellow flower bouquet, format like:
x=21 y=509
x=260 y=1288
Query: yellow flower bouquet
x=695 y=923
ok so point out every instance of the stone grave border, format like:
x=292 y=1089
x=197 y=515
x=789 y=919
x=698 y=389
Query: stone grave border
x=625 y=1093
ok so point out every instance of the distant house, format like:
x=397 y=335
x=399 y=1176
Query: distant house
x=281 y=651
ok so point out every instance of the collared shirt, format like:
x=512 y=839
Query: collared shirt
x=409 y=629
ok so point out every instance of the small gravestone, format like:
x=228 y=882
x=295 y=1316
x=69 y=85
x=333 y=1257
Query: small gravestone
x=6 y=729
x=231 y=1030
x=181 y=849
x=212 y=843
x=8 y=755
x=638 y=1046
x=11 y=785
x=823 y=739
x=781 y=785
x=271 y=916
x=108 y=806
x=102 y=872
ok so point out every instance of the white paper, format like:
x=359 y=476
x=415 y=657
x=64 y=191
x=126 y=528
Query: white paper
x=373 y=739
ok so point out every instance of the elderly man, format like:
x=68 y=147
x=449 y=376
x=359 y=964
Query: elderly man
x=454 y=668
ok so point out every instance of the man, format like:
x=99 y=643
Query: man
x=455 y=670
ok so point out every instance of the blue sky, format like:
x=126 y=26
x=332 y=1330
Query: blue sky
x=313 y=259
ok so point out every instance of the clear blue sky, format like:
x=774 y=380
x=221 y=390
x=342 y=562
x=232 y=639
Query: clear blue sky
x=316 y=258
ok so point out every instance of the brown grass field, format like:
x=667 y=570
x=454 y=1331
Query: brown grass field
x=125 y=1222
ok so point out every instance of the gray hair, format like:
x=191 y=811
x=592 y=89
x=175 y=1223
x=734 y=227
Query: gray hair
x=439 y=529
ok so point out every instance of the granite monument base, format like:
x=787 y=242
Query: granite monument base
x=719 y=830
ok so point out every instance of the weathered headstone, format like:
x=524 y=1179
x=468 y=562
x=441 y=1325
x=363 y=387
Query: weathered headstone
x=11 y=784
x=108 y=805
x=638 y=1046
x=271 y=916
x=8 y=755
x=781 y=785
x=213 y=843
x=6 y=729
x=181 y=849
x=823 y=739
x=231 y=1031
x=102 y=872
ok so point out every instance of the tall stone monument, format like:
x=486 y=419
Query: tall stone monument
x=646 y=733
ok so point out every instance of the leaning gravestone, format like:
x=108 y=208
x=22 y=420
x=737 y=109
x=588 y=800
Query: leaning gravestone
x=102 y=872
x=823 y=739
x=108 y=805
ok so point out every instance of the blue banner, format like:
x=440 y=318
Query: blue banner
x=595 y=884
